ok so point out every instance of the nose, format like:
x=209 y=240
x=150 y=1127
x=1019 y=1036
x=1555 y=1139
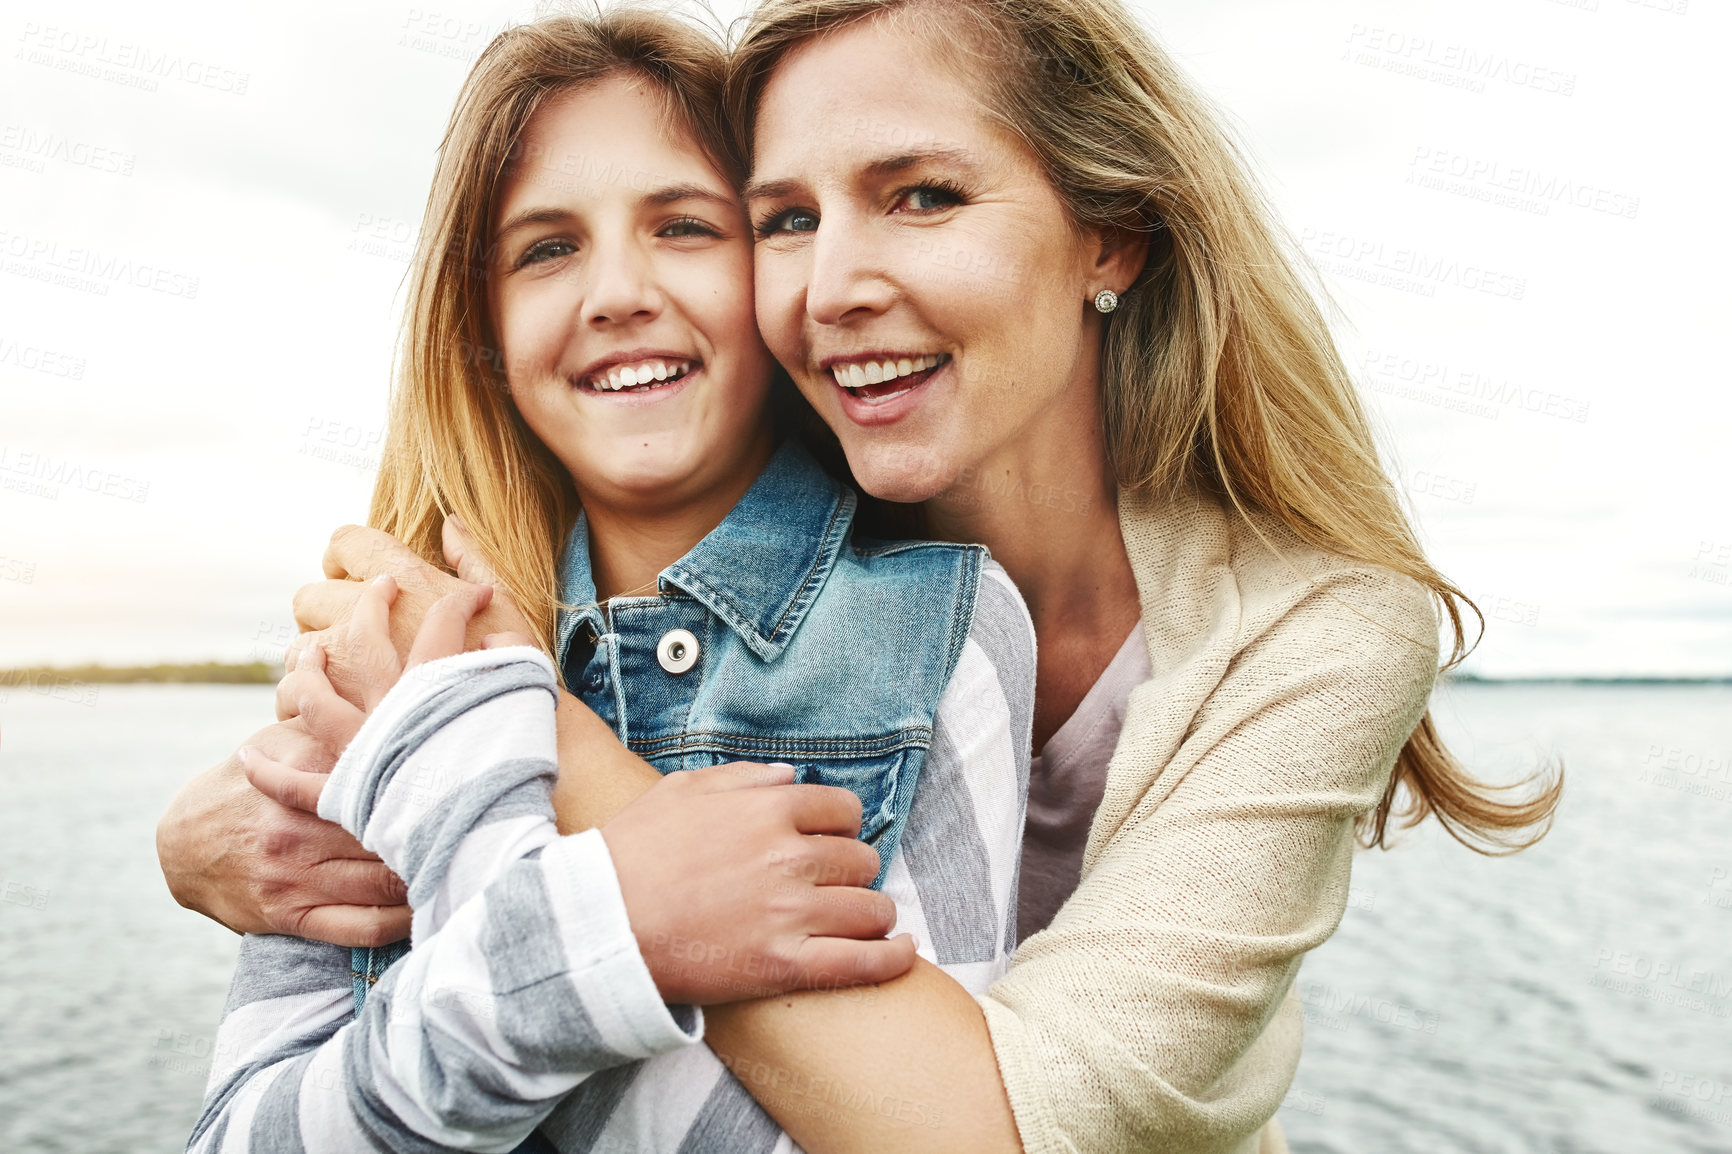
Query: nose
x=848 y=280
x=622 y=285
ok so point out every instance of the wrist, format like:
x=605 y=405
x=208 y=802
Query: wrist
x=183 y=841
x=479 y=710
x=596 y=923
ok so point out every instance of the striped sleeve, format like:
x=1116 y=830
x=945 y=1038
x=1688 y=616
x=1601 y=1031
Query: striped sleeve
x=525 y=977
x=953 y=879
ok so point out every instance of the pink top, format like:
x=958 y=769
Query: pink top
x=1066 y=781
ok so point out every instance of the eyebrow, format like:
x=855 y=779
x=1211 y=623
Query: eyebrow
x=674 y=193
x=659 y=197
x=880 y=167
x=531 y=216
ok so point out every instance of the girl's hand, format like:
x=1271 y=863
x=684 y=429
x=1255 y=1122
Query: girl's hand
x=333 y=720
x=306 y=691
x=323 y=609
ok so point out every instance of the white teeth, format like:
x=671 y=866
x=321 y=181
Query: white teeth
x=630 y=376
x=859 y=374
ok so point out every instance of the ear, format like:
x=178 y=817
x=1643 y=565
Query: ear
x=1119 y=255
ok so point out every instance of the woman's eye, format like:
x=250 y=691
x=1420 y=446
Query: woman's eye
x=689 y=226
x=929 y=198
x=546 y=250
x=792 y=220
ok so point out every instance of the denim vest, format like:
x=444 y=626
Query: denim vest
x=778 y=637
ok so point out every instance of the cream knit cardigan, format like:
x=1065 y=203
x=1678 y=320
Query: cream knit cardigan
x=1157 y=1011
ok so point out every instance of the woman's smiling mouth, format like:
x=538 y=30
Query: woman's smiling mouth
x=882 y=377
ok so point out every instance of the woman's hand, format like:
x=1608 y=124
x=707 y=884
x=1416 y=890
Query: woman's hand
x=260 y=866
x=357 y=555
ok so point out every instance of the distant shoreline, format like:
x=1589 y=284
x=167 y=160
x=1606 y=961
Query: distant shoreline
x=266 y=673
x=1472 y=679
x=197 y=673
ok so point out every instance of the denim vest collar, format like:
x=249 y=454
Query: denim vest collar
x=759 y=570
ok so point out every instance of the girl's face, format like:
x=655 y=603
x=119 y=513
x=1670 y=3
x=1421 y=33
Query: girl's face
x=916 y=271
x=620 y=286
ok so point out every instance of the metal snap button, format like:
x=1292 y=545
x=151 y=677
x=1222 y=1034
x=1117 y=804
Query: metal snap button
x=677 y=651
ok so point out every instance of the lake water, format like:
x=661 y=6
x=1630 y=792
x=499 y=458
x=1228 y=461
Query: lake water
x=1574 y=998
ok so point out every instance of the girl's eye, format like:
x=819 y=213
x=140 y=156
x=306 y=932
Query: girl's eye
x=792 y=220
x=546 y=250
x=929 y=198
x=689 y=226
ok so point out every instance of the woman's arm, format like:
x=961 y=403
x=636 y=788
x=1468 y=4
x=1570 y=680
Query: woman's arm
x=262 y=867
x=909 y=1065
x=953 y=879
x=281 y=876
x=1154 y=1012
x=905 y=1065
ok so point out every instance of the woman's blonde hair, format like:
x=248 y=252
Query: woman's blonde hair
x=1219 y=370
x=456 y=443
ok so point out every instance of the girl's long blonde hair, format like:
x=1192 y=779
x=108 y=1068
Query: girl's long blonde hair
x=1219 y=371
x=455 y=442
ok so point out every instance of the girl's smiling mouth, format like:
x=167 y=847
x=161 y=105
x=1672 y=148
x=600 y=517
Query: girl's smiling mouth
x=638 y=371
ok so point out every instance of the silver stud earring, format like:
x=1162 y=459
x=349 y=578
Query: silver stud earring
x=1106 y=301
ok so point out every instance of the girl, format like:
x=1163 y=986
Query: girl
x=712 y=603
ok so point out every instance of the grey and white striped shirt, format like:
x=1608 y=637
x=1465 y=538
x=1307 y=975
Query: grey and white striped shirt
x=525 y=1003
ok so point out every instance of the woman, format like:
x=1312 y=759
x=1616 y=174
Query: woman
x=1031 y=190
x=1161 y=343
x=714 y=603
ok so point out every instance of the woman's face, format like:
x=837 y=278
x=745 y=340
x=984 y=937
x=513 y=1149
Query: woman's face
x=902 y=232
x=619 y=284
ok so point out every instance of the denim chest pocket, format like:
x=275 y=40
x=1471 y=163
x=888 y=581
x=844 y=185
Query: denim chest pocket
x=879 y=780
x=873 y=780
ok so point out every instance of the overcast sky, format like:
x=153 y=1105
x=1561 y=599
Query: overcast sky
x=206 y=212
